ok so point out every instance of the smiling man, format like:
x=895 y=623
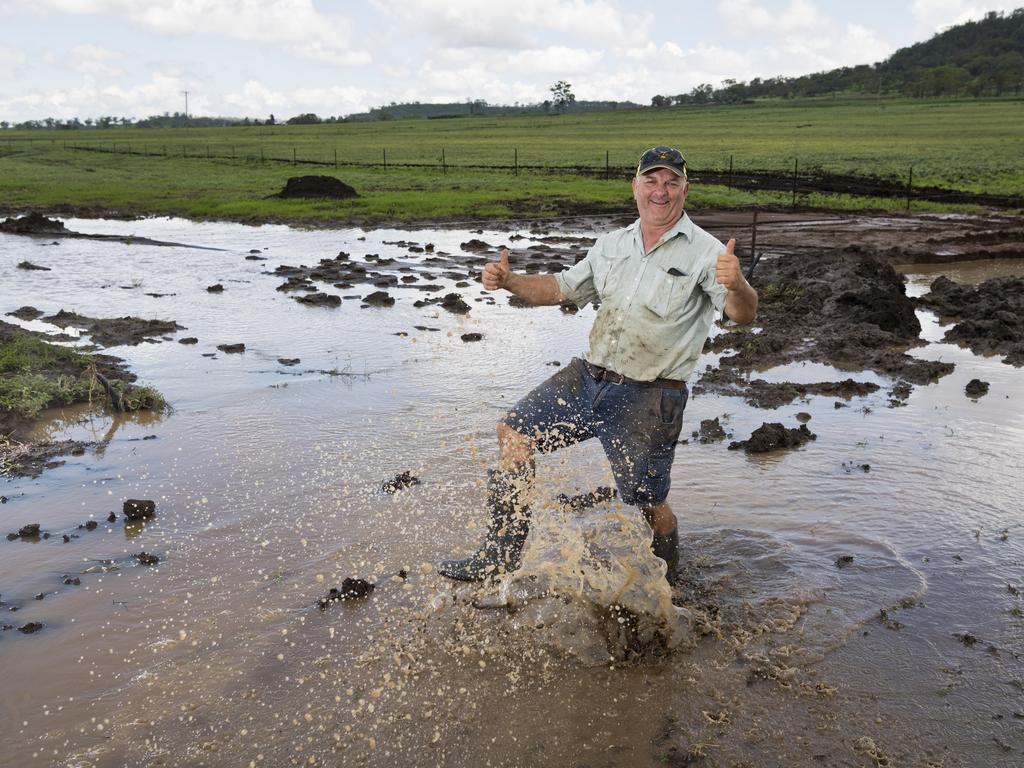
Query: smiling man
x=660 y=283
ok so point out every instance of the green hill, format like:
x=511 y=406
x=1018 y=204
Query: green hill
x=977 y=58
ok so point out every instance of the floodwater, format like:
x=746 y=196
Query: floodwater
x=267 y=482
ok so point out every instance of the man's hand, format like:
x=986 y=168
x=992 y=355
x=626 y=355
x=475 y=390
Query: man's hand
x=727 y=269
x=496 y=272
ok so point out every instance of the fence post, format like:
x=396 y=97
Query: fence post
x=207 y=151
x=795 y=166
x=910 y=186
x=232 y=151
x=183 y=153
x=444 y=162
x=262 y=160
x=515 y=161
x=129 y=149
x=385 y=150
x=335 y=157
x=730 y=187
x=294 y=161
x=753 y=235
x=165 y=150
x=607 y=166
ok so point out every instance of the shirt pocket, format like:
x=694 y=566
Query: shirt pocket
x=668 y=294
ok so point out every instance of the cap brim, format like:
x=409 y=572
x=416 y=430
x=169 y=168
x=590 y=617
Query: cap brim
x=672 y=168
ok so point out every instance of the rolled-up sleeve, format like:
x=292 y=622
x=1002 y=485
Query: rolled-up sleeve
x=715 y=291
x=577 y=282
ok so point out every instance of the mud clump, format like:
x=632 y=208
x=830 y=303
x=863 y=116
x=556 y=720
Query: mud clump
x=581 y=501
x=117 y=331
x=188 y=340
x=31 y=628
x=32 y=458
x=27 y=313
x=32 y=224
x=379 y=299
x=216 y=288
x=772 y=437
x=29 y=266
x=145 y=558
x=319 y=300
x=472 y=337
x=976 y=388
x=231 y=349
x=453 y=303
x=990 y=317
x=710 y=431
x=400 y=481
x=351 y=589
x=289 y=361
x=851 y=311
x=317 y=186
x=138 y=509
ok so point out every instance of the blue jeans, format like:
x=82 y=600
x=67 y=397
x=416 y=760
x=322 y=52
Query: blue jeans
x=638 y=426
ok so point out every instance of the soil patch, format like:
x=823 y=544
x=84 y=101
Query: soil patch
x=773 y=436
x=851 y=312
x=990 y=316
x=117 y=331
x=317 y=186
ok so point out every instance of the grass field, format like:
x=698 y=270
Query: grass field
x=972 y=145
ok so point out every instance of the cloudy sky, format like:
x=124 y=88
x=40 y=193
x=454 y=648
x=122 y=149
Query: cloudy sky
x=87 y=58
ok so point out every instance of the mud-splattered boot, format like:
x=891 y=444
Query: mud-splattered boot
x=506 y=531
x=666 y=546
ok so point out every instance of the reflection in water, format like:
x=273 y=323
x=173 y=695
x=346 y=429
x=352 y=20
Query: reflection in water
x=820 y=617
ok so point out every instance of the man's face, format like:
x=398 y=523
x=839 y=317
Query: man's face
x=660 y=195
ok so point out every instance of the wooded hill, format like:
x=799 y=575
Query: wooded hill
x=978 y=58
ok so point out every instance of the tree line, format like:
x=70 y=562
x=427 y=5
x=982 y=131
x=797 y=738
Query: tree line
x=978 y=58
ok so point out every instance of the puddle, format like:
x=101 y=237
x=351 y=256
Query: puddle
x=267 y=479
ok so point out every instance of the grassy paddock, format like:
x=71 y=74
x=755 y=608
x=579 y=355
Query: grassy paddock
x=974 y=145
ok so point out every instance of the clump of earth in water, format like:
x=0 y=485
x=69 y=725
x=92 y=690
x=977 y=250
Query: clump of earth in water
x=773 y=436
x=851 y=311
x=990 y=317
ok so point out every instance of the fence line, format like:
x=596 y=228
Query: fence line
x=778 y=180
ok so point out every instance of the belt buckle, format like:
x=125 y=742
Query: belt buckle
x=622 y=379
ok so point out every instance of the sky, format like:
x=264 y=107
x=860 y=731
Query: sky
x=251 y=58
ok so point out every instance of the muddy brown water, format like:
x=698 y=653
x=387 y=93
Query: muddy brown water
x=267 y=481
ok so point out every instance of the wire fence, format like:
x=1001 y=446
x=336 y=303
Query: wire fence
x=792 y=180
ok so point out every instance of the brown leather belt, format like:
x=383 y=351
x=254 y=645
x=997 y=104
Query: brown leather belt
x=606 y=374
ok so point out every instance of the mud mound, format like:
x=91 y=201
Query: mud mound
x=773 y=436
x=33 y=224
x=317 y=186
x=846 y=309
x=116 y=331
x=991 y=316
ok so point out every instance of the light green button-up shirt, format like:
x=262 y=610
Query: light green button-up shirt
x=652 y=322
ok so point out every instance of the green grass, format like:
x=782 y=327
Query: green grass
x=973 y=145
x=35 y=375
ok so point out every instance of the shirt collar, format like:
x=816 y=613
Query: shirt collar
x=682 y=227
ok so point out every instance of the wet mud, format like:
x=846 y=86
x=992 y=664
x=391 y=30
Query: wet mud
x=117 y=331
x=317 y=186
x=989 y=317
x=724 y=665
x=773 y=437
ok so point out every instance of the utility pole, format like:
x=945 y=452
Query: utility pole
x=186 y=103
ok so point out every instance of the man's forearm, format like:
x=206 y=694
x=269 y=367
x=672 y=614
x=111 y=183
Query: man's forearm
x=741 y=304
x=535 y=289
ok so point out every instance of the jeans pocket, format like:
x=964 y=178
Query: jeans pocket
x=673 y=401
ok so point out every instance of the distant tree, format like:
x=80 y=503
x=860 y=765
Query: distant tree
x=305 y=119
x=4 y=125
x=271 y=120
x=562 y=96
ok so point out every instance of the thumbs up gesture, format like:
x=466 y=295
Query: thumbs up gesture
x=496 y=272
x=727 y=269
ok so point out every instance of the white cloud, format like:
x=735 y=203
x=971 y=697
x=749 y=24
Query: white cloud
x=256 y=99
x=935 y=15
x=294 y=25
x=473 y=24
x=96 y=61
x=12 y=60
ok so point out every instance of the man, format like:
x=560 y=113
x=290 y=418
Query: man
x=660 y=282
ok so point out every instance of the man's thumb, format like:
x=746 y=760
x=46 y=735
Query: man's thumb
x=730 y=246
x=503 y=261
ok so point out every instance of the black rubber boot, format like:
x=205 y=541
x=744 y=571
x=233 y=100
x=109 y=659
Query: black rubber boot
x=506 y=532
x=666 y=547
